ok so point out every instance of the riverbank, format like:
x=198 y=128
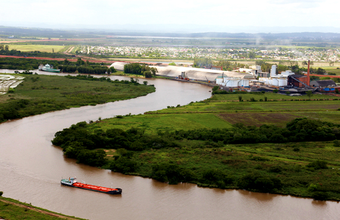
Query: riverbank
x=40 y=94
x=13 y=209
x=204 y=143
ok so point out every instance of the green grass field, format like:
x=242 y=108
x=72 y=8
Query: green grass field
x=218 y=112
x=332 y=69
x=41 y=48
x=13 y=209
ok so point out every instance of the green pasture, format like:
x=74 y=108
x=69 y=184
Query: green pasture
x=161 y=123
x=332 y=69
x=216 y=112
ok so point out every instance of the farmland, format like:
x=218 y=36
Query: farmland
x=41 y=48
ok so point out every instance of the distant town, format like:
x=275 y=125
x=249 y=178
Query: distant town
x=274 y=53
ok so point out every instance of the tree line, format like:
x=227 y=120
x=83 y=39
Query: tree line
x=77 y=138
x=140 y=69
x=5 y=50
x=80 y=66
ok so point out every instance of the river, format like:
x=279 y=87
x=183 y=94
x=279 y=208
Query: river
x=31 y=169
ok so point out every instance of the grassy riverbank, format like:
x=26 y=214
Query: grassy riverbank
x=40 y=94
x=204 y=143
x=13 y=209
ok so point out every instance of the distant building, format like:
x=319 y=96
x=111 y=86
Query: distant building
x=323 y=83
x=228 y=81
x=273 y=79
x=298 y=80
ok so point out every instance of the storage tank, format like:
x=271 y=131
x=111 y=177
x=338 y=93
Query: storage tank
x=273 y=71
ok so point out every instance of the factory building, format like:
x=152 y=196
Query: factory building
x=323 y=83
x=276 y=80
x=298 y=81
x=228 y=81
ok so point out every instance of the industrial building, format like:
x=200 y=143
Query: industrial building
x=228 y=81
x=192 y=73
x=298 y=81
x=323 y=83
x=276 y=80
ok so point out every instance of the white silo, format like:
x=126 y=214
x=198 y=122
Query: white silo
x=273 y=71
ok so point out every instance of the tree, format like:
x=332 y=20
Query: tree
x=309 y=94
x=154 y=70
x=112 y=69
x=320 y=71
x=148 y=74
x=6 y=48
x=252 y=55
x=80 y=62
x=66 y=62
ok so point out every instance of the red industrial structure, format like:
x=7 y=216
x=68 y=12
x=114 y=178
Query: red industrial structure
x=308 y=77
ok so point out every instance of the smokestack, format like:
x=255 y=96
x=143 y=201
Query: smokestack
x=308 y=78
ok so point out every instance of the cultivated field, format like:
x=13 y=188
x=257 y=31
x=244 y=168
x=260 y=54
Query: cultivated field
x=41 y=48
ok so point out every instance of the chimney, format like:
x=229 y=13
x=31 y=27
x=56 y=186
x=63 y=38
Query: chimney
x=308 y=78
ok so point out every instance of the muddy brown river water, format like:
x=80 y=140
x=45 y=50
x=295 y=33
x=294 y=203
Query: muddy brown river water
x=31 y=169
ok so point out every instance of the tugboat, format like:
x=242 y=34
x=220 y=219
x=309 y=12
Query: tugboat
x=48 y=68
x=73 y=183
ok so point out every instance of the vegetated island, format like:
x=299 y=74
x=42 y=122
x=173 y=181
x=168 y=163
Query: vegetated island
x=261 y=142
x=40 y=94
x=13 y=209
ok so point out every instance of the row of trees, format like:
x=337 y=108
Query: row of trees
x=5 y=50
x=65 y=66
x=140 y=69
x=301 y=129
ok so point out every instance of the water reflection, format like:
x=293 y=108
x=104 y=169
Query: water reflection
x=319 y=203
x=263 y=197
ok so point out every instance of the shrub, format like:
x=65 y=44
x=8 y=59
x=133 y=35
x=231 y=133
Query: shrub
x=1 y=192
x=336 y=143
x=259 y=182
x=296 y=149
x=312 y=187
x=320 y=196
x=172 y=173
x=275 y=169
x=317 y=165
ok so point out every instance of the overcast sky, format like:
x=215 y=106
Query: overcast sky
x=210 y=15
